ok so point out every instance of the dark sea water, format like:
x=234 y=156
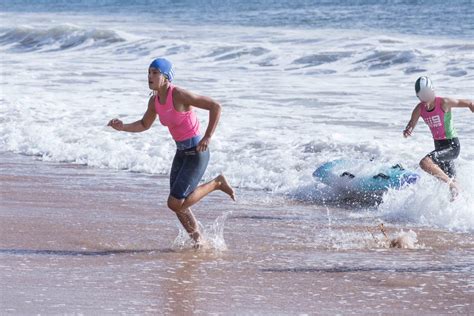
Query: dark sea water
x=443 y=18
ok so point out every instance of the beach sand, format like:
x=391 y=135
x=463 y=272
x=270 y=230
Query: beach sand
x=80 y=240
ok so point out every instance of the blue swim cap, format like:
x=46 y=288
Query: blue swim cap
x=164 y=66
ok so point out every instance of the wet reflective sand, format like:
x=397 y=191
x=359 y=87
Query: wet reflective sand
x=82 y=240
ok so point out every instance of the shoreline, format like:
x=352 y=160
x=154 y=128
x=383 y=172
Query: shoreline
x=75 y=239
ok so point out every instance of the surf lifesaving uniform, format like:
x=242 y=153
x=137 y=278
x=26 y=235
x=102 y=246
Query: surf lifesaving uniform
x=188 y=165
x=447 y=146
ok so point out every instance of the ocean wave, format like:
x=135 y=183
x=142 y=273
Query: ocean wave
x=456 y=47
x=250 y=51
x=218 y=51
x=455 y=72
x=140 y=47
x=62 y=37
x=177 y=49
x=414 y=69
x=277 y=125
x=386 y=16
x=367 y=150
x=321 y=58
x=384 y=59
x=428 y=203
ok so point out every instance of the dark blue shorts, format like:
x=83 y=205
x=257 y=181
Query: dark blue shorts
x=445 y=152
x=187 y=170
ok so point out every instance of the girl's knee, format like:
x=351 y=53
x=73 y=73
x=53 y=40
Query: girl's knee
x=174 y=204
x=425 y=162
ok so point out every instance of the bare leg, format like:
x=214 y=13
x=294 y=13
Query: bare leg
x=187 y=219
x=182 y=207
x=428 y=165
x=219 y=183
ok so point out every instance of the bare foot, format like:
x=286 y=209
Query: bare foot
x=199 y=244
x=198 y=240
x=196 y=236
x=454 y=189
x=225 y=187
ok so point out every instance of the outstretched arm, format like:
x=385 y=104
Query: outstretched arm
x=190 y=99
x=457 y=103
x=140 y=125
x=415 y=115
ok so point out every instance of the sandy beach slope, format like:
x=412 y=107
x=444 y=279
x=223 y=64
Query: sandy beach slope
x=81 y=240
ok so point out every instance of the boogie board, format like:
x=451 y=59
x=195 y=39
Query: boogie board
x=364 y=176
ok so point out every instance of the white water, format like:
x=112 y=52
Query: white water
x=213 y=236
x=292 y=100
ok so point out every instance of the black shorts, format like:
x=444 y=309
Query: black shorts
x=445 y=152
x=187 y=170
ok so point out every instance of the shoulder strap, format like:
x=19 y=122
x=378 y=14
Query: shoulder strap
x=439 y=102
x=169 y=97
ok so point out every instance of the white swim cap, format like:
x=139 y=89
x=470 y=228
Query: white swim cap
x=424 y=89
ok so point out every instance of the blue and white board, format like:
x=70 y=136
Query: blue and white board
x=364 y=176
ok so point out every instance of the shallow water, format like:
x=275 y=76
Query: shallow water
x=82 y=240
x=293 y=98
x=84 y=223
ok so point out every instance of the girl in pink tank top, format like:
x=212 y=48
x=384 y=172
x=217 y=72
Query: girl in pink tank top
x=174 y=107
x=182 y=125
x=436 y=112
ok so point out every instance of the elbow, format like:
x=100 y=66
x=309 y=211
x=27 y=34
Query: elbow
x=145 y=126
x=217 y=108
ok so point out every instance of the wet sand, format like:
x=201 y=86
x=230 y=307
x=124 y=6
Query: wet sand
x=81 y=240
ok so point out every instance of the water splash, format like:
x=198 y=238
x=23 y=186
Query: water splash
x=370 y=240
x=428 y=203
x=405 y=240
x=213 y=236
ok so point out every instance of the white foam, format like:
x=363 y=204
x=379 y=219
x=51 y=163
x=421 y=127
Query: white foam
x=406 y=240
x=213 y=236
x=369 y=240
x=428 y=202
x=289 y=105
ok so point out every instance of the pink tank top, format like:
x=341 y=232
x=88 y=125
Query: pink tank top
x=182 y=125
x=440 y=122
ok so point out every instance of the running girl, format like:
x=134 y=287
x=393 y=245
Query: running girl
x=436 y=112
x=174 y=107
